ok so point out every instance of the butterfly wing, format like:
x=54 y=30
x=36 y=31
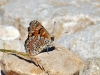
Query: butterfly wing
x=38 y=38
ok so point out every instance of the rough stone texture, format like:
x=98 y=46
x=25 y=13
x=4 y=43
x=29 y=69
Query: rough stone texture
x=1 y=44
x=56 y=62
x=8 y=33
x=3 y=2
x=52 y=14
x=12 y=45
x=1 y=54
x=60 y=18
x=91 y=67
x=12 y=65
x=85 y=43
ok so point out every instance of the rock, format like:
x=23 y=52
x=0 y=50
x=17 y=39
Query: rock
x=1 y=44
x=9 y=33
x=12 y=45
x=12 y=65
x=85 y=43
x=56 y=62
x=1 y=54
x=60 y=18
x=91 y=67
x=3 y=2
x=55 y=16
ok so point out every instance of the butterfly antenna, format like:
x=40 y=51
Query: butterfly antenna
x=53 y=27
x=47 y=51
x=52 y=38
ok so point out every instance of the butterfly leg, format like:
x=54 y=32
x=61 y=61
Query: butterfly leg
x=47 y=50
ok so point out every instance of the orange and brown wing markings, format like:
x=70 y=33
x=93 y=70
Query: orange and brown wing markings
x=37 y=28
x=42 y=40
x=38 y=38
x=31 y=47
x=42 y=33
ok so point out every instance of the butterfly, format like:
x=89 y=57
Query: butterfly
x=38 y=38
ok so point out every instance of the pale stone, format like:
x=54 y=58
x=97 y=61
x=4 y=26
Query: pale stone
x=8 y=33
x=14 y=45
x=56 y=16
x=60 y=62
x=85 y=43
x=91 y=67
x=15 y=66
x=1 y=54
x=60 y=18
x=57 y=62
x=3 y=2
x=0 y=21
x=1 y=44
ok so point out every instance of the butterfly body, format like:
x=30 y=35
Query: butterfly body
x=38 y=38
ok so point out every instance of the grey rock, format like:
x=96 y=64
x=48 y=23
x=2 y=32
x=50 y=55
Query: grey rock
x=91 y=67
x=85 y=43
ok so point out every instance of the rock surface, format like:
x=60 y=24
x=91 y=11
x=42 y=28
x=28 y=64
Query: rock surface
x=12 y=45
x=91 y=67
x=85 y=43
x=56 y=62
x=8 y=33
x=3 y=2
x=12 y=65
x=58 y=17
x=77 y=20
